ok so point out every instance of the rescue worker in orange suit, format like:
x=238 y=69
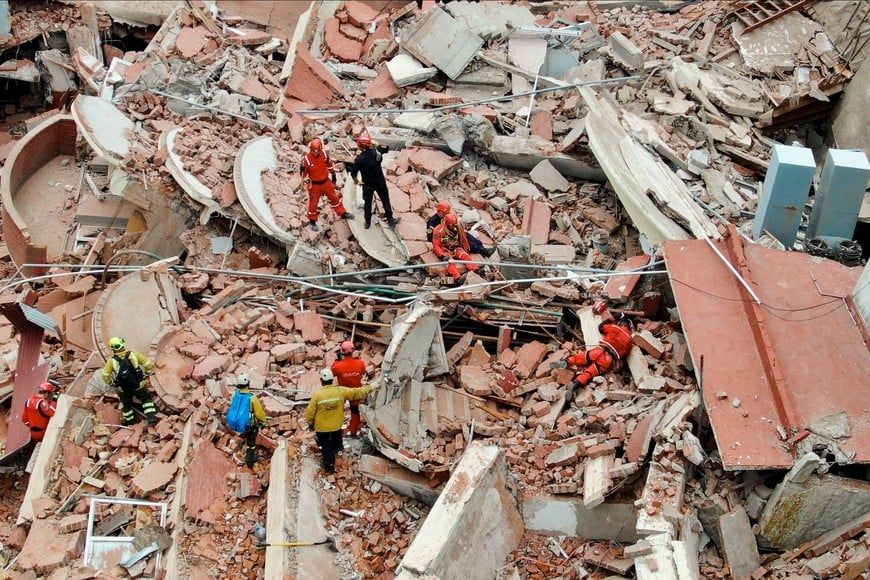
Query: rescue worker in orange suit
x=38 y=410
x=475 y=245
x=349 y=372
x=319 y=170
x=615 y=345
x=450 y=242
x=368 y=165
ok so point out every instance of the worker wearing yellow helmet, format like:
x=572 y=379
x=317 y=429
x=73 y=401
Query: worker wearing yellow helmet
x=128 y=371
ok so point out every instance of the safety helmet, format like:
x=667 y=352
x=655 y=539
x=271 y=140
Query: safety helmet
x=243 y=380
x=326 y=376
x=364 y=140
x=316 y=144
x=443 y=207
x=117 y=343
x=347 y=347
x=626 y=322
x=46 y=388
x=451 y=221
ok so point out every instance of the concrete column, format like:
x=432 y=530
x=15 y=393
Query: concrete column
x=473 y=525
x=840 y=193
x=786 y=187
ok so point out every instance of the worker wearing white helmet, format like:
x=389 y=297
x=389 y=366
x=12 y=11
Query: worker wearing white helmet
x=325 y=415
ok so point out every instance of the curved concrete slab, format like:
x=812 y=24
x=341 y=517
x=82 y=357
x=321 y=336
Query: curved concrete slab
x=136 y=309
x=380 y=241
x=255 y=157
x=25 y=196
x=104 y=127
x=192 y=186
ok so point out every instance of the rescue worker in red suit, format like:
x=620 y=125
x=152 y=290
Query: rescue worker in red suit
x=349 y=372
x=450 y=242
x=615 y=345
x=38 y=410
x=475 y=246
x=319 y=170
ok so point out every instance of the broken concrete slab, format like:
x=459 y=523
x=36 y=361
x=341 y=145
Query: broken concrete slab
x=553 y=515
x=437 y=30
x=738 y=543
x=548 y=177
x=520 y=153
x=311 y=81
x=106 y=129
x=475 y=503
x=398 y=479
x=625 y=52
x=800 y=512
x=491 y=20
x=407 y=70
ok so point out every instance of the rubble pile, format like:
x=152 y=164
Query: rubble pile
x=574 y=139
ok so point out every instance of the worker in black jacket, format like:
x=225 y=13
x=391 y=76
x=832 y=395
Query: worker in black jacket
x=368 y=165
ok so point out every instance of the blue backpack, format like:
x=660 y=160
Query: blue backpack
x=239 y=415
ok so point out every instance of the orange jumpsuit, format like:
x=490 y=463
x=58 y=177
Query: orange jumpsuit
x=349 y=372
x=37 y=411
x=452 y=245
x=318 y=169
x=615 y=344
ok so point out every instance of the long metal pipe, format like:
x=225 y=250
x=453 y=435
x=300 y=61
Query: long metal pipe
x=468 y=104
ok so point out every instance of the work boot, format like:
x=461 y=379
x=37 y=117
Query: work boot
x=128 y=421
x=368 y=225
x=487 y=252
x=250 y=457
x=313 y=225
x=347 y=216
x=393 y=221
x=152 y=420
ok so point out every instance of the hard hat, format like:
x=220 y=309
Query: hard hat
x=364 y=140
x=117 y=343
x=243 y=380
x=347 y=347
x=316 y=144
x=326 y=376
x=46 y=388
x=451 y=221
x=443 y=207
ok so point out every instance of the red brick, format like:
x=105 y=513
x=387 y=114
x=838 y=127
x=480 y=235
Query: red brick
x=599 y=450
x=536 y=221
x=342 y=47
x=253 y=88
x=475 y=380
x=430 y=161
x=381 y=33
x=382 y=88
x=541 y=408
x=529 y=357
x=225 y=194
x=649 y=343
x=248 y=36
x=192 y=42
x=153 y=477
x=353 y=32
x=207 y=481
x=73 y=523
x=359 y=13
x=310 y=81
x=619 y=288
x=212 y=366
x=541 y=125
x=310 y=325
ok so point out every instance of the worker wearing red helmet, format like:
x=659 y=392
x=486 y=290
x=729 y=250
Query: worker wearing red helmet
x=450 y=242
x=319 y=170
x=474 y=244
x=616 y=343
x=38 y=411
x=350 y=371
x=368 y=165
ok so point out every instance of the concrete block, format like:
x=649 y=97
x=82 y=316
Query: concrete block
x=558 y=516
x=437 y=30
x=536 y=221
x=626 y=52
x=839 y=195
x=548 y=177
x=475 y=503
x=407 y=70
x=738 y=543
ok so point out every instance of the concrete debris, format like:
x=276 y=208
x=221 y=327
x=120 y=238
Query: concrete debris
x=192 y=148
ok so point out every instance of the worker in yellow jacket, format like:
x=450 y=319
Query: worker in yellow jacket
x=325 y=415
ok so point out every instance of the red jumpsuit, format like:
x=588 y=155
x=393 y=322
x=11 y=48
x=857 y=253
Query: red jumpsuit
x=349 y=372
x=37 y=411
x=318 y=169
x=600 y=359
x=452 y=245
